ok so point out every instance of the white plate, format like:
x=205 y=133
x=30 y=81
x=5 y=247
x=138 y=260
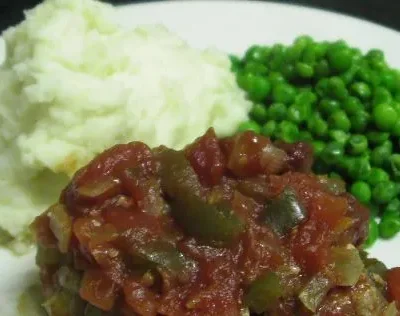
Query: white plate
x=232 y=27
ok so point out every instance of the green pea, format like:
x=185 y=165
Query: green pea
x=363 y=74
x=284 y=93
x=377 y=138
x=377 y=175
x=304 y=70
x=317 y=125
x=375 y=54
x=389 y=227
x=277 y=111
x=385 y=117
x=277 y=57
x=305 y=136
x=357 y=144
x=288 y=71
x=373 y=233
x=269 y=128
x=395 y=166
x=288 y=132
x=390 y=80
x=306 y=97
x=339 y=121
x=382 y=95
x=337 y=88
x=329 y=106
x=276 y=78
x=396 y=129
x=361 y=191
x=340 y=58
x=339 y=136
x=257 y=87
x=360 y=121
x=236 y=63
x=352 y=106
x=256 y=68
x=318 y=147
x=380 y=155
x=384 y=192
x=361 y=90
x=250 y=126
x=348 y=75
x=321 y=69
x=359 y=168
x=393 y=207
x=257 y=53
x=309 y=55
x=259 y=113
x=322 y=87
x=332 y=153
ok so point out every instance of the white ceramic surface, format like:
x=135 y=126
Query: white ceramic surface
x=230 y=26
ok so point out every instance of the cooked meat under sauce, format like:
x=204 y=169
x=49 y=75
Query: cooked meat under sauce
x=234 y=226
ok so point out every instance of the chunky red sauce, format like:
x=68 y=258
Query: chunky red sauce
x=223 y=227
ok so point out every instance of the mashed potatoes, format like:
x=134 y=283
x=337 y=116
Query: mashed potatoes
x=74 y=83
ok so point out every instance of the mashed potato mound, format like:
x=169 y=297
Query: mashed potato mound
x=74 y=83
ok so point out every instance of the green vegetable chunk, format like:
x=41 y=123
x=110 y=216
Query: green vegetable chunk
x=263 y=293
x=285 y=212
x=389 y=226
x=348 y=266
x=361 y=191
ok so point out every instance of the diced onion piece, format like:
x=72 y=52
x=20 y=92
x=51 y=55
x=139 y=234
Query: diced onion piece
x=348 y=266
x=273 y=159
x=69 y=279
x=61 y=225
x=391 y=310
x=315 y=291
x=334 y=186
x=100 y=190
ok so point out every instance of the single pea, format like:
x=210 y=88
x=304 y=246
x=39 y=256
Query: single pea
x=361 y=90
x=317 y=125
x=307 y=97
x=360 y=121
x=380 y=155
x=287 y=131
x=375 y=54
x=363 y=73
x=277 y=111
x=257 y=87
x=259 y=113
x=361 y=191
x=377 y=138
x=395 y=166
x=304 y=70
x=339 y=120
x=318 y=147
x=277 y=57
x=276 y=78
x=295 y=51
x=269 y=128
x=377 y=175
x=288 y=70
x=352 y=106
x=332 y=153
x=382 y=95
x=396 y=129
x=256 y=68
x=305 y=136
x=337 y=88
x=339 y=136
x=373 y=233
x=389 y=227
x=309 y=55
x=284 y=93
x=257 y=53
x=321 y=48
x=250 y=126
x=298 y=113
x=340 y=58
x=357 y=144
x=349 y=74
x=384 y=192
x=236 y=63
x=385 y=117
x=393 y=207
x=390 y=80
x=321 y=69
x=322 y=87
x=328 y=106
x=359 y=168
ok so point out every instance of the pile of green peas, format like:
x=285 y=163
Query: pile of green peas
x=345 y=103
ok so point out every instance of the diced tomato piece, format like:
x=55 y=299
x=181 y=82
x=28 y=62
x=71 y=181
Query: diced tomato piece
x=43 y=232
x=142 y=300
x=206 y=158
x=98 y=290
x=93 y=230
x=393 y=284
x=328 y=209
